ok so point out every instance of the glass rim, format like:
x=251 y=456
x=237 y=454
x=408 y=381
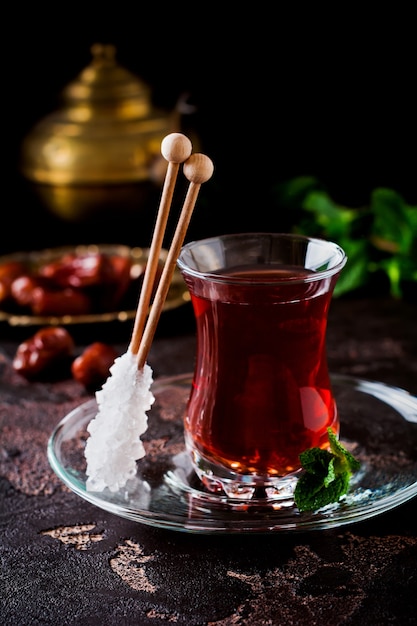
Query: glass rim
x=220 y=277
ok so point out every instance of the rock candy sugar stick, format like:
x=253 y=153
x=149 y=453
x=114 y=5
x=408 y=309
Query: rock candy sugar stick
x=114 y=445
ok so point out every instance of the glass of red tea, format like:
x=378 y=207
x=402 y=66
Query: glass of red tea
x=261 y=392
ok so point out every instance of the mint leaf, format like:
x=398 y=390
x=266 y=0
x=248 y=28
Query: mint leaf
x=357 y=253
x=326 y=475
x=316 y=460
x=335 y=220
x=380 y=238
x=311 y=493
x=346 y=459
x=392 y=224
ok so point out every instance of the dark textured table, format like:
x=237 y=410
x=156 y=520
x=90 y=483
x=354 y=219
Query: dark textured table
x=66 y=562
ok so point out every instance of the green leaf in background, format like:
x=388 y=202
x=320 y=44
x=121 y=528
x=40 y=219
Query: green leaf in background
x=392 y=227
x=356 y=272
x=334 y=220
x=399 y=268
x=291 y=193
x=378 y=239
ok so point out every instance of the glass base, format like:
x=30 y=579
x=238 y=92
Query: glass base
x=217 y=479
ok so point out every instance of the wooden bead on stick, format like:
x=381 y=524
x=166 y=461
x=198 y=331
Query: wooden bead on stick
x=198 y=168
x=176 y=148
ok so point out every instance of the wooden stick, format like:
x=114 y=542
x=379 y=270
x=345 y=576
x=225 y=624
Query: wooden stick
x=197 y=169
x=175 y=148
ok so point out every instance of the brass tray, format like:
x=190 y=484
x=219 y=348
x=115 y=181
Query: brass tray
x=178 y=293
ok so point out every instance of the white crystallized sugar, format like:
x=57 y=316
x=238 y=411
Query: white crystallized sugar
x=114 y=444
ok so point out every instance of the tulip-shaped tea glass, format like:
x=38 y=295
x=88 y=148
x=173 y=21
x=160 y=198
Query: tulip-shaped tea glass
x=261 y=392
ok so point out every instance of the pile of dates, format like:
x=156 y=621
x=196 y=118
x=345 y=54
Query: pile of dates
x=51 y=349
x=73 y=284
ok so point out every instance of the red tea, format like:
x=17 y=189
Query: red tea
x=261 y=391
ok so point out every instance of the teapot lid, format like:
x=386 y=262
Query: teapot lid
x=105 y=81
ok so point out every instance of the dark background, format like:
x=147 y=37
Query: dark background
x=278 y=94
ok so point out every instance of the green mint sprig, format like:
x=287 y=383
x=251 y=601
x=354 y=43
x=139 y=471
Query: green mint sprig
x=326 y=477
x=379 y=238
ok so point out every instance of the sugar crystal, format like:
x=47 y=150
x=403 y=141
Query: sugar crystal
x=114 y=444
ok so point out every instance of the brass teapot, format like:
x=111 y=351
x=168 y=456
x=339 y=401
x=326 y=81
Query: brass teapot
x=102 y=145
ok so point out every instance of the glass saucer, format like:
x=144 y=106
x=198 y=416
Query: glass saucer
x=378 y=425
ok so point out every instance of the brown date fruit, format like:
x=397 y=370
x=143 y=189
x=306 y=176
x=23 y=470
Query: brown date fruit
x=46 y=349
x=73 y=270
x=115 y=284
x=22 y=288
x=79 y=271
x=104 y=278
x=59 y=302
x=91 y=368
x=9 y=271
